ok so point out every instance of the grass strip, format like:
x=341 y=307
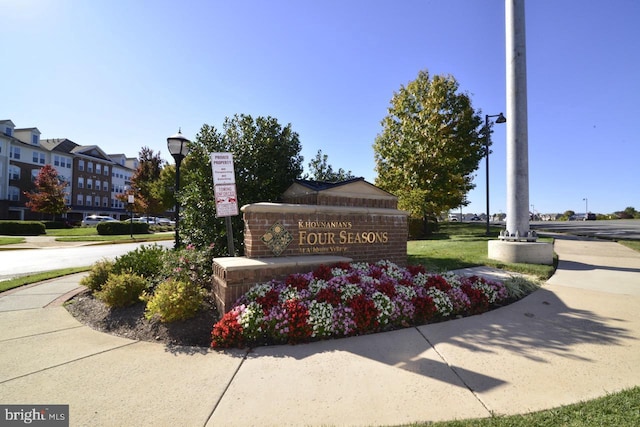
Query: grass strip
x=620 y=409
x=5 y=285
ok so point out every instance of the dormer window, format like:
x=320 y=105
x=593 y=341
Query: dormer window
x=8 y=131
x=35 y=139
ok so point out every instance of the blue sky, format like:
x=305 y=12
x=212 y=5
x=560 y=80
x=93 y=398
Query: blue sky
x=125 y=74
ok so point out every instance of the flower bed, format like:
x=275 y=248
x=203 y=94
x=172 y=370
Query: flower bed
x=351 y=299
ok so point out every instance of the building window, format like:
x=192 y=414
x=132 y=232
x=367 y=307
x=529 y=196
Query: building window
x=56 y=160
x=98 y=168
x=14 y=152
x=89 y=184
x=35 y=139
x=14 y=172
x=81 y=165
x=34 y=174
x=68 y=165
x=106 y=170
x=8 y=131
x=105 y=186
x=80 y=200
x=90 y=167
x=88 y=200
x=38 y=157
x=80 y=182
x=105 y=202
x=14 y=194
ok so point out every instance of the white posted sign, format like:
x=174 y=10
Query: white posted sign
x=224 y=184
x=222 y=165
x=226 y=200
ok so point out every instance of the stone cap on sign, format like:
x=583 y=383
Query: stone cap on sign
x=269 y=207
x=242 y=263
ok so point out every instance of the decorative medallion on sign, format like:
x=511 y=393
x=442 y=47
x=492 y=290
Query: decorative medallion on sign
x=277 y=238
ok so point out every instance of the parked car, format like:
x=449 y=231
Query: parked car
x=590 y=217
x=164 y=221
x=96 y=219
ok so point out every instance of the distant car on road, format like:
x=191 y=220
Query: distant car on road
x=155 y=220
x=589 y=217
x=96 y=219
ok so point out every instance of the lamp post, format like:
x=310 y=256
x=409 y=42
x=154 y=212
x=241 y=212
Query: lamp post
x=179 y=148
x=131 y=201
x=500 y=119
x=586 y=207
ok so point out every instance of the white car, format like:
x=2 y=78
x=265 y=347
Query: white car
x=96 y=219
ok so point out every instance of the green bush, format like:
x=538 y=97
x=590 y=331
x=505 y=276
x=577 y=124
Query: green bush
x=518 y=287
x=22 y=228
x=113 y=228
x=146 y=261
x=56 y=225
x=122 y=290
x=190 y=264
x=98 y=275
x=174 y=300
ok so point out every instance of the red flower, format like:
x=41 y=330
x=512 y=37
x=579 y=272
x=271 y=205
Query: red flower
x=297 y=281
x=387 y=287
x=269 y=300
x=425 y=309
x=365 y=314
x=415 y=269
x=227 y=332
x=329 y=295
x=297 y=315
x=479 y=301
x=438 y=282
x=322 y=272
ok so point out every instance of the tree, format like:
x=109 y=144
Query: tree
x=266 y=161
x=48 y=196
x=431 y=143
x=320 y=170
x=147 y=187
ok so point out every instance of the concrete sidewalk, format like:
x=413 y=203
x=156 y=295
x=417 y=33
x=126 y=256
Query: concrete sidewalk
x=575 y=339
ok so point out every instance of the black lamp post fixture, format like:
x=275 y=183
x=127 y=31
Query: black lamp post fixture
x=179 y=148
x=130 y=201
x=500 y=119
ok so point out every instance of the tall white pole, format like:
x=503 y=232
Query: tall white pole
x=517 y=134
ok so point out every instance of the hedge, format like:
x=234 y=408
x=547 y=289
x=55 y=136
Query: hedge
x=112 y=228
x=22 y=228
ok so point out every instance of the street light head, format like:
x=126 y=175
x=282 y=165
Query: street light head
x=501 y=118
x=178 y=146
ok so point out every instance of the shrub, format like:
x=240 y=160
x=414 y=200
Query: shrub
x=22 y=228
x=519 y=287
x=122 y=290
x=146 y=261
x=112 y=228
x=51 y=225
x=98 y=275
x=174 y=300
x=190 y=264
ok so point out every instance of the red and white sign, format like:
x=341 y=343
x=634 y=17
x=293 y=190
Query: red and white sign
x=224 y=184
x=226 y=200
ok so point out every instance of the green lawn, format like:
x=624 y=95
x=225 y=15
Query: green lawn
x=5 y=285
x=619 y=409
x=461 y=245
x=10 y=240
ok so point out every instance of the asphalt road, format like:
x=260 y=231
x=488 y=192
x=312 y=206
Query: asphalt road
x=628 y=229
x=15 y=263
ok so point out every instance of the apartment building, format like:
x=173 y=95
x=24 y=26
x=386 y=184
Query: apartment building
x=93 y=177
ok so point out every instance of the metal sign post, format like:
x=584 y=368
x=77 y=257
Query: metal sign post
x=224 y=186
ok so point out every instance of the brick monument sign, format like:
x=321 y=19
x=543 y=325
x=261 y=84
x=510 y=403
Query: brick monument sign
x=317 y=223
